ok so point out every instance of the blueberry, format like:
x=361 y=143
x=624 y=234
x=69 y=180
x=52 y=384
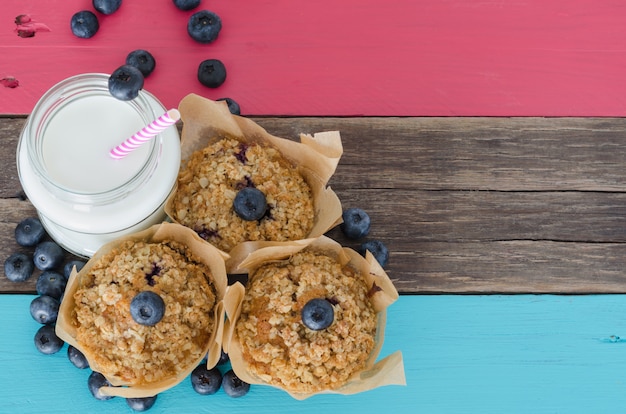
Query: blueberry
x=51 y=283
x=46 y=340
x=317 y=314
x=126 y=82
x=141 y=404
x=29 y=232
x=204 y=26
x=45 y=309
x=95 y=381
x=206 y=381
x=142 y=60
x=233 y=106
x=77 y=358
x=147 y=308
x=224 y=358
x=107 y=6
x=48 y=255
x=18 y=267
x=233 y=386
x=186 y=4
x=378 y=249
x=356 y=223
x=67 y=269
x=84 y=24
x=211 y=73
x=250 y=204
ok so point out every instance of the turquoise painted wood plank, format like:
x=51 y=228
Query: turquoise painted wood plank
x=462 y=354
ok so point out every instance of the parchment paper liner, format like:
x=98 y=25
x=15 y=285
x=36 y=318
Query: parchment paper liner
x=316 y=156
x=388 y=371
x=206 y=253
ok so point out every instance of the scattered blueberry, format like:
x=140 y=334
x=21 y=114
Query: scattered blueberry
x=250 y=204
x=186 y=4
x=95 y=381
x=211 y=73
x=206 y=381
x=317 y=314
x=126 y=82
x=378 y=249
x=147 y=308
x=18 y=267
x=356 y=223
x=233 y=106
x=204 y=26
x=51 y=283
x=84 y=24
x=46 y=340
x=45 y=309
x=233 y=386
x=141 y=404
x=77 y=358
x=107 y=6
x=67 y=269
x=142 y=60
x=29 y=232
x=48 y=255
x=224 y=358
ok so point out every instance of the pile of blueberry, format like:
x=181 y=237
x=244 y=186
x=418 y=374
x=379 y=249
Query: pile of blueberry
x=126 y=81
x=204 y=381
x=48 y=257
x=208 y=381
x=356 y=225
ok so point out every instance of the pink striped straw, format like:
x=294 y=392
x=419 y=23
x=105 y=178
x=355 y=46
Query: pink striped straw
x=146 y=134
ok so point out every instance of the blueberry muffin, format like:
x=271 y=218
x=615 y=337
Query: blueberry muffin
x=239 y=184
x=307 y=351
x=125 y=348
x=145 y=310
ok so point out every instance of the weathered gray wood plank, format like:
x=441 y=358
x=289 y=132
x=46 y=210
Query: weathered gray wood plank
x=466 y=205
x=504 y=154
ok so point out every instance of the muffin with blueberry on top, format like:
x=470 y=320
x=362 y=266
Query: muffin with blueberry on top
x=237 y=183
x=310 y=319
x=146 y=310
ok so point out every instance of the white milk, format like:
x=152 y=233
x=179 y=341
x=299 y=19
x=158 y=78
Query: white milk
x=84 y=197
x=83 y=133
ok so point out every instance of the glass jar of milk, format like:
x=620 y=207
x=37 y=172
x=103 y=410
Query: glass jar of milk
x=84 y=197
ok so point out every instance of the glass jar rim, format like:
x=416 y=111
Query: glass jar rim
x=63 y=93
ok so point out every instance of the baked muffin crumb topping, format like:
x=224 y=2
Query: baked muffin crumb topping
x=211 y=178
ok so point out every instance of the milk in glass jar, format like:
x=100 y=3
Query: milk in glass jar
x=83 y=196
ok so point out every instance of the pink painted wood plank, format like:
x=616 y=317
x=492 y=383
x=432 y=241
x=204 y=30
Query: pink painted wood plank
x=347 y=57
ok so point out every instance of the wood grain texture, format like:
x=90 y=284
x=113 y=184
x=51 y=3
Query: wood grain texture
x=62 y=388
x=465 y=205
x=471 y=354
x=348 y=58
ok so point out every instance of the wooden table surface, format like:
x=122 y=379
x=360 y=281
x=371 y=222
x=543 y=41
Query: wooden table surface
x=465 y=205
